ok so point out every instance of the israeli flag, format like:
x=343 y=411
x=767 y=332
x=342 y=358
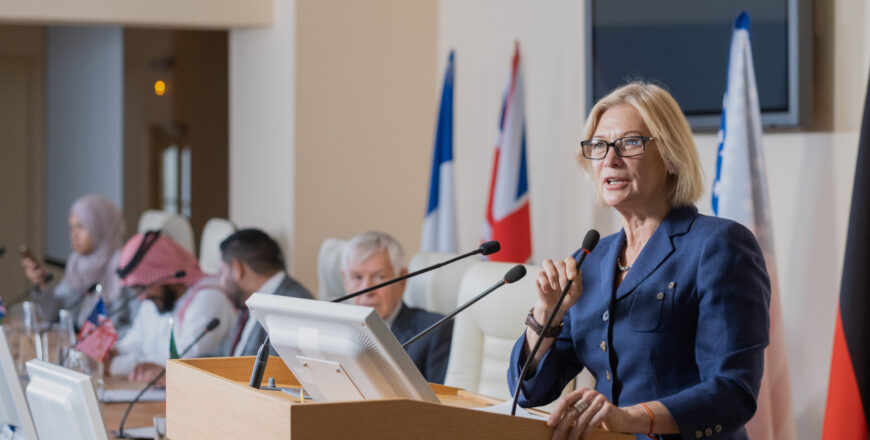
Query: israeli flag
x=740 y=194
x=439 y=225
x=740 y=188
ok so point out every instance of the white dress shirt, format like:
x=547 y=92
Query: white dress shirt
x=391 y=318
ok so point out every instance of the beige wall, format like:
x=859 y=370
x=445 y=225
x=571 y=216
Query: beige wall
x=262 y=76
x=366 y=91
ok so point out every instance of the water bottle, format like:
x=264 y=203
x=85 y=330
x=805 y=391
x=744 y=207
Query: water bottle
x=66 y=336
x=29 y=341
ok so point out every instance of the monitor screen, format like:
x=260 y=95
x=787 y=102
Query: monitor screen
x=685 y=46
x=15 y=421
x=339 y=352
x=63 y=403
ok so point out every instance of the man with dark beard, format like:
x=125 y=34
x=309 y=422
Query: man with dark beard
x=184 y=304
x=253 y=262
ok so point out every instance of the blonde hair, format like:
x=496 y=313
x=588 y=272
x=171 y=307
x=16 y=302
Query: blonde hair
x=673 y=137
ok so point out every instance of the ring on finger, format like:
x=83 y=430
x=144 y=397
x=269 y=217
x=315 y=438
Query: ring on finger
x=581 y=406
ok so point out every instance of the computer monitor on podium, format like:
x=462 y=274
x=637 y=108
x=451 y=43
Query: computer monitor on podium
x=15 y=421
x=339 y=352
x=63 y=403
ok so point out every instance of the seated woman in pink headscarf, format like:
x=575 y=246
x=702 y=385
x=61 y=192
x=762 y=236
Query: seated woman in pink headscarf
x=95 y=234
x=176 y=295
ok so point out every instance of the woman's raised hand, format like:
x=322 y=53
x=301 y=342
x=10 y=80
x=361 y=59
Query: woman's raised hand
x=551 y=281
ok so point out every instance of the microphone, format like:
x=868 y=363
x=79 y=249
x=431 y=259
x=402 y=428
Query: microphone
x=589 y=243
x=2 y=250
x=490 y=247
x=122 y=302
x=209 y=327
x=260 y=364
x=514 y=274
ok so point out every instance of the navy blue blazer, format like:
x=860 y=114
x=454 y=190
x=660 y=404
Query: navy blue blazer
x=429 y=353
x=687 y=327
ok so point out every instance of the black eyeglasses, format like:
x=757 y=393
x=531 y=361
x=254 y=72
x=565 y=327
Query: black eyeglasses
x=629 y=146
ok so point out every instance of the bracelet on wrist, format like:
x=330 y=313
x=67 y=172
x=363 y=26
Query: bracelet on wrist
x=652 y=421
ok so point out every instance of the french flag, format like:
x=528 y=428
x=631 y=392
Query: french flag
x=507 y=210
x=439 y=225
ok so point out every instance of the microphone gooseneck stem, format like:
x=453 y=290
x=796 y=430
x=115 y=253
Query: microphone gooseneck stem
x=537 y=346
x=406 y=276
x=260 y=365
x=135 y=400
x=513 y=275
x=584 y=252
x=259 y=369
x=450 y=316
x=151 y=384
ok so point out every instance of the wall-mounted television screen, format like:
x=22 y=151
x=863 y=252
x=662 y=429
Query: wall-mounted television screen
x=684 y=46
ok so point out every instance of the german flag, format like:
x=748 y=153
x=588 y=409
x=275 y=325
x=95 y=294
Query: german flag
x=849 y=385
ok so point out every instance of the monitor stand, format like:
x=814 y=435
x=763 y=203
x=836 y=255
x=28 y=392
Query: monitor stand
x=330 y=377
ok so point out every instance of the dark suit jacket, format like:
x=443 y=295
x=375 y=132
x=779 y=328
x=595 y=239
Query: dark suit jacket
x=687 y=327
x=429 y=353
x=288 y=287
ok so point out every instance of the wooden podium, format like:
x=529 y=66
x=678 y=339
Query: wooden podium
x=209 y=398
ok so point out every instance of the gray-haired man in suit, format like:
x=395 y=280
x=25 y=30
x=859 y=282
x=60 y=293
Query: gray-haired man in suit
x=374 y=257
x=253 y=262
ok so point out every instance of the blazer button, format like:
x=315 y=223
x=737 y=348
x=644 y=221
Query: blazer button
x=718 y=428
x=660 y=296
x=671 y=285
x=607 y=374
x=709 y=432
x=603 y=346
x=699 y=434
x=606 y=315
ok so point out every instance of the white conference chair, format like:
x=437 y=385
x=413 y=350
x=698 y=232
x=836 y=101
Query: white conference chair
x=329 y=284
x=437 y=290
x=214 y=232
x=484 y=334
x=175 y=226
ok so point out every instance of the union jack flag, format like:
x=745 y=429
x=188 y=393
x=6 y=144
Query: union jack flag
x=98 y=333
x=507 y=210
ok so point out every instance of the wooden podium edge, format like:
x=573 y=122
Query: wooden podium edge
x=208 y=398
